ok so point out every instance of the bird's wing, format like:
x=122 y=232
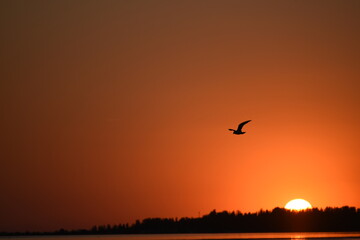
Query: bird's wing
x=242 y=124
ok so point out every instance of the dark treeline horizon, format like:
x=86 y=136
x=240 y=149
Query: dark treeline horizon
x=329 y=219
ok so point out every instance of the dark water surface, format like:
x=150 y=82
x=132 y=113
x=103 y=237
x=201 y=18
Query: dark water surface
x=204 y=236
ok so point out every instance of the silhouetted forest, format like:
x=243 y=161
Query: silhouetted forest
x=278 y=220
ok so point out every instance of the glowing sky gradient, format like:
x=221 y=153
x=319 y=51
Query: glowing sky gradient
x=113 y=111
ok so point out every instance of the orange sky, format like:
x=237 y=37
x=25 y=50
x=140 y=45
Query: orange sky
x=113 y=111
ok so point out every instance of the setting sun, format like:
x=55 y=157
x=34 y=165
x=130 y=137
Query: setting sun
x=298 y=204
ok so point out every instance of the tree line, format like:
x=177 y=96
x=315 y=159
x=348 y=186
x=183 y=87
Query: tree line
x=277 y=220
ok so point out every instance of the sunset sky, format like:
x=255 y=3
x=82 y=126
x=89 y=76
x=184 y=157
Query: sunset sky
x=113 y=111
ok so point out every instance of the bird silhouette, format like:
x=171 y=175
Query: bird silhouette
x=239 y=131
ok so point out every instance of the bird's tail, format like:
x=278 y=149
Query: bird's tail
x=231 y=129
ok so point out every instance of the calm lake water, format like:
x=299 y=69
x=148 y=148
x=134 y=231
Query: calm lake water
x=204 y=236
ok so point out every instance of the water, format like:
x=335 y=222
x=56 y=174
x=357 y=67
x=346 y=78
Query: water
x=205 y=236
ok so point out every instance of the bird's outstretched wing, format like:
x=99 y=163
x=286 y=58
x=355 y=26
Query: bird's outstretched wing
x=242 y=124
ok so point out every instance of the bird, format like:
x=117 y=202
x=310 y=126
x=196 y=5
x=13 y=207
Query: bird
x=239 y=131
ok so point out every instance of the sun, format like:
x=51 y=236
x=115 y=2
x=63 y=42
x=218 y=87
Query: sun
x=298 y=204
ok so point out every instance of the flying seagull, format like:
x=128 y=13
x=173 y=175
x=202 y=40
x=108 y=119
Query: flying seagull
x=239 y=131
